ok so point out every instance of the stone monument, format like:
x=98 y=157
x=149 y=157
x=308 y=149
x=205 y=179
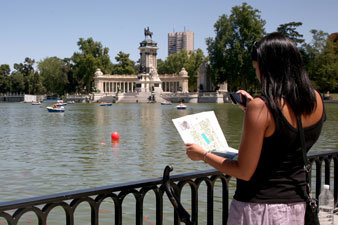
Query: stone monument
x=148 y=79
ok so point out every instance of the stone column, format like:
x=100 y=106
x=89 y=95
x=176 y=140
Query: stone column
x=185 y=78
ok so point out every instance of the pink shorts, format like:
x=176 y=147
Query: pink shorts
x=245 y=213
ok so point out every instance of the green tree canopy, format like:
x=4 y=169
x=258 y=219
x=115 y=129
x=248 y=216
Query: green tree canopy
x=5 y=69
x=25 y=68
x=5 y=84
x=17 y=83
x=322 y=62
x=54 y=74
x=191 y=61
x=289 y=30
x=229 y=51
x=91 y=56
x=34 y=84
x=124 y=64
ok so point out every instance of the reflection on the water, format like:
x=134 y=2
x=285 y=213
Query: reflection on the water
x=44 y=153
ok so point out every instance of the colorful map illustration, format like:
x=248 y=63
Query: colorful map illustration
x=204 y=129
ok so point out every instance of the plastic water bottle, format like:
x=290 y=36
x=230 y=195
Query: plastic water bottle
x=326 y=206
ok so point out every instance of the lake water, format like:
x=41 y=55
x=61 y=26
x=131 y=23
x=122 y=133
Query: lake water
x=44 y=153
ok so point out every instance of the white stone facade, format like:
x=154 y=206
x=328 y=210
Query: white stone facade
x=147 y=80
x=110 y=84
x=106 y=83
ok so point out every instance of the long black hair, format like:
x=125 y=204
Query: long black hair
x=283 y=75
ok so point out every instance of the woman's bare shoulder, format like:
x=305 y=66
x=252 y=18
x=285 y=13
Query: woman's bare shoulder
x=257 y=103
x=257 y=109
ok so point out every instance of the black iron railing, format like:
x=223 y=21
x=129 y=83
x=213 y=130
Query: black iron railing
x=12 y=211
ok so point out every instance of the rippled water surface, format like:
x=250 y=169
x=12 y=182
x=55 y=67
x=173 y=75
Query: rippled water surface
x=44 y=153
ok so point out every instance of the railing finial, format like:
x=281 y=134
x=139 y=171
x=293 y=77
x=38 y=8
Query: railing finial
x=182 y=213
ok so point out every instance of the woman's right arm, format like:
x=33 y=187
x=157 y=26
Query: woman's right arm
x=256 y=121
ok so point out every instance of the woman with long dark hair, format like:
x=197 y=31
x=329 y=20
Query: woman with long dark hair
x=269 y=168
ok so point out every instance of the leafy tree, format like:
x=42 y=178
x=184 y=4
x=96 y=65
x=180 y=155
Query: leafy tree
x=4 y=78
x=25 y=68
x=5 y=69
x=91 y=56
x=5 y=84
x=54 y=75
x=289 y=30
x=72 y=81
x=35 y=84
x=322 y=61
x=17 y=83
x=192 y=66
x=175 y=62
x=161 y=66
x=229 y=51
x=124 y=64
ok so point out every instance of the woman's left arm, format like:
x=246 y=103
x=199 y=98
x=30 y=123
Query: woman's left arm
x=256 y=121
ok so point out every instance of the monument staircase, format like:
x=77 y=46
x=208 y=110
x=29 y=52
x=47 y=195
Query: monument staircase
x=138 y=97
x=110 y=99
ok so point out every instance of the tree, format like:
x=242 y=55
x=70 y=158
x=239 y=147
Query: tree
x=4 y=78
x=17 y=83
x=322 y=61
x=289 y=30
x=5 y=69
x=72 y=81
x=124 y=64
x=161 y=66
x=229 y=51
x=35 y=84
x=25 y=68
x=175 y=62
x=5 y=84
x=192 y=66
x=54 y=74
x=91 y=56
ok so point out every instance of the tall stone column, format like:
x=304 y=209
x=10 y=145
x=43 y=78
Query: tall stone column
x=148 y=77
x=185 y=79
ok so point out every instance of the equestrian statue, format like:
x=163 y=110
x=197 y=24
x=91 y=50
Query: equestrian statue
x=147 y=32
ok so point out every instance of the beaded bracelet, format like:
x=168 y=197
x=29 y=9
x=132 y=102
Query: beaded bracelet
x=205 y=156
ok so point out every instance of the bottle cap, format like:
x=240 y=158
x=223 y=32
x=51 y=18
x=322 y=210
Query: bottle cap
x=326 y=187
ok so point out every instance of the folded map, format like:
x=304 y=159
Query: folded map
x=203 y=129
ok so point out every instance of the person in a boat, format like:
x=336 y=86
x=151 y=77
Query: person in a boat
x=54 y=106
x=269 y=168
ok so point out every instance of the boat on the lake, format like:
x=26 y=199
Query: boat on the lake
x=106 y=104
x=166 y=103
x=56 y=108
x=181 y=106
x=36 y=103
x=60 y=103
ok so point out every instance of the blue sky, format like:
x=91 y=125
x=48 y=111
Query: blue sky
x=46 y=28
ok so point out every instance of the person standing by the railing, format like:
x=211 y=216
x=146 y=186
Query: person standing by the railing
x=269 y=168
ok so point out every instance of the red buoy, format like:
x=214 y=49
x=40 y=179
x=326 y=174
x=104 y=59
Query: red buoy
x=115 y=136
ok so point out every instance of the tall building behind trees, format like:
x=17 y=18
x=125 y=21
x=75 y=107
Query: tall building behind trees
x=180 y=40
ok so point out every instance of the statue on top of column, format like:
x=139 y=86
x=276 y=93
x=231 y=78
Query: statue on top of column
x=147 y=32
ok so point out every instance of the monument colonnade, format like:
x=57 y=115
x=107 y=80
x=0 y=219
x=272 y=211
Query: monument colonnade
x=107 y=84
